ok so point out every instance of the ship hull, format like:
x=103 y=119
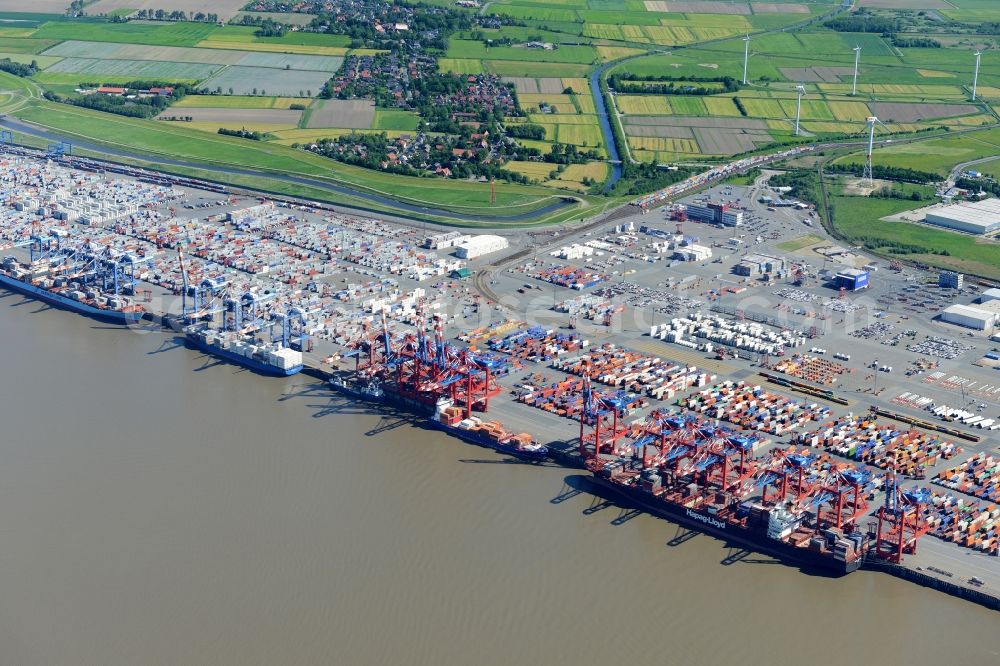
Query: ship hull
x=66 y=303
x=237 y=359
x=748 y=537
x=360 y=394
x=473 y=438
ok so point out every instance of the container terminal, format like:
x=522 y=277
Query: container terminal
x=747 y=378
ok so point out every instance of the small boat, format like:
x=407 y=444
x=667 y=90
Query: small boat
x=357 y=388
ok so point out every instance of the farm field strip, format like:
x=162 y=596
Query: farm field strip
x=226 y=9
x=663 y=144
x=562 y=119
x=134 y=32
x=108 y=51
x=721 y=106
x=643 y=104
x=138 y=69
x=460 y=65
x=235 y=102
x=276 y=48
x=849 y=111
x=213 y=126
x=688 y=106
x=349 y=114
x=284 y=117
x=254 y=80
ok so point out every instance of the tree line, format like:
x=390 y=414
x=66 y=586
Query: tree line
x=882 y=172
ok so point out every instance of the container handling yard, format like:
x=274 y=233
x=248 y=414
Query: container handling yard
x=745 y=378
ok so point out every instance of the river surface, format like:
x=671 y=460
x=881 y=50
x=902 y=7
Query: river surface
x=159 y=509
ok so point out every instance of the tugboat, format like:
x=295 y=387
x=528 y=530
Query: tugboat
x=357 y=387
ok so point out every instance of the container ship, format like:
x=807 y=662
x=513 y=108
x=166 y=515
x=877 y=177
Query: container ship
x=37 y=280
x=775 y=529
x=449 y=418
x=265 y=358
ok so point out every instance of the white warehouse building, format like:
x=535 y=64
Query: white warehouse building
x=976 y=217
x=969 y=317
x=693 y=253
x=477 y=246
x=989 y=295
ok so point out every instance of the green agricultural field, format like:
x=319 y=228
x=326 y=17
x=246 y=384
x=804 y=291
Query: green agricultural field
x=762 y=108
x=584 y=136
x=25 y=21
x=171 y=140
x=66 y=83
x=168 y=34
x=937 y=155
x=475 y=50
x=27 y=58
x=573 y=119
x=800 y=242
x=721 y=106
x=540 y=13
x=538 y=171
x=20 y=45
x=688 y=105
x=857 y=218
x=395 y=119
x=535 y=69
x=460 y=65
x=244 y=38
x=584 y=103
x=849 y=111
x=646 y=105
x=812 y=109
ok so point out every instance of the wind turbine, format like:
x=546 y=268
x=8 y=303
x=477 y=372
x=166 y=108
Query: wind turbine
x=975 y=76
x=867 y=175
x=746 y=56
x=857 y=59
x=798 y=106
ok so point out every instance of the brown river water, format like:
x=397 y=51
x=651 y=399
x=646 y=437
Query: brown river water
x=157 y=508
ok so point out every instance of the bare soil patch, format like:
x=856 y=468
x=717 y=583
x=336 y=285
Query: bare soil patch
x=906 y=4
x=816 y=74
x=523 y=84
x=661 y=131
x=856 y=187
x=729 y=141
x=908 y=112
x=551 y=86
x=778 y=8
x=698 y=7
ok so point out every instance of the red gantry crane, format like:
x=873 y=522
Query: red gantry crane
x=900 y=522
